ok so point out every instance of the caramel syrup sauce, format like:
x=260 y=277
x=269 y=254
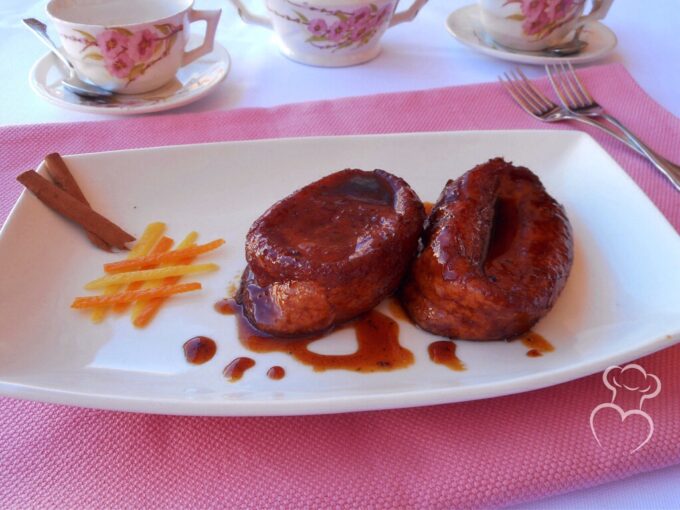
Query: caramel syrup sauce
x=276 y=373
x=396 y=309
x=225 y=306
x=235 y=370
x=428 y=207
x=376 y=333
x=443 y=352
x=199 y=350
x=536 y=344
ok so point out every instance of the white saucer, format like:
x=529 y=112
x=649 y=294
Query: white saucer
x=464 y=24
x=191 y=83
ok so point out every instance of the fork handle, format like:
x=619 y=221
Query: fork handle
x=667 y=168
x=604 y=127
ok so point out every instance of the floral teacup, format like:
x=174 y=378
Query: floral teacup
x=534 y=25
x=330 y=33
x=129 y=46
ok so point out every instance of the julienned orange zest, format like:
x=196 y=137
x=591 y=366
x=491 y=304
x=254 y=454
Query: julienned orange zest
x=134 y=295
x=161 y=258
x=152 y=306
x=146 y=278
x=143 y=312
x=152 y=233
x=149 y=274
x=162 y=246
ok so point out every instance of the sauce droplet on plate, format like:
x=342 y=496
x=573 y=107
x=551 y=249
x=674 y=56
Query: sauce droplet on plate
x=276 y=373
x=536 y=344
x=199 y=350
x=443 y=352
x=235 y=370
x=225 y=306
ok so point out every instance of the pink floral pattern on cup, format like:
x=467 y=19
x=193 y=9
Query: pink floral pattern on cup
x=125 y=54
x=335 y=29
x=540 y=18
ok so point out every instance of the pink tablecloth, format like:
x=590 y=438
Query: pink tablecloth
x=477 y=454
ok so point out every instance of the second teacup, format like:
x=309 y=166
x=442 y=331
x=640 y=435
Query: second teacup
x=130 y=46
x=330 y=33
x=534 y=25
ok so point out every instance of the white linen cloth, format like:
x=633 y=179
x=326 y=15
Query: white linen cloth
x=417 y=55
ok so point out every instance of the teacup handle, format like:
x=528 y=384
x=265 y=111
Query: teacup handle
x=599 y=11
x=249 y=17
x=211 y=19
x=410 y=13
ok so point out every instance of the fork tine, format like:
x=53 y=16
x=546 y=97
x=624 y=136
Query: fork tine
x=519 y=92
x=560 y=90
x=582 y=89
x=522 y=84
x=512 y=90
x=567 y=77
x=546 y=103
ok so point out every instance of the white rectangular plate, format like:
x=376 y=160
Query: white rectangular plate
x=621 y=300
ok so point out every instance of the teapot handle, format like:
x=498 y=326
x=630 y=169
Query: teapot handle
x=407 y=15
x=249 y=17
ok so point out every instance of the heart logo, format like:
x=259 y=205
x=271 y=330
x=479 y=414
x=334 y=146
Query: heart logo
x=618 y=427
x=633 y=427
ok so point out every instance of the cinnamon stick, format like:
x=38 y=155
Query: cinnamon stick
x=63 y=178
x=69 y=207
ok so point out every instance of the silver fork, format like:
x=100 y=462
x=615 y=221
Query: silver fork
x=536 y=104
x=578 y=102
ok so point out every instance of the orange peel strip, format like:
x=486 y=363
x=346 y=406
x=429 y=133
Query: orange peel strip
x=162 y=246
x=162 y=258
x=152 y=233
x=149 y=274
x=130 y=296
x=144 y=311
x=151 y=306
